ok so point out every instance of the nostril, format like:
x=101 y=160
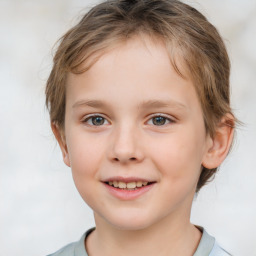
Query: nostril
x=132 y=159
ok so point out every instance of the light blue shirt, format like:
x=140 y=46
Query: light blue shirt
x=207 y=247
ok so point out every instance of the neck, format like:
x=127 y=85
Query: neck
x=167 y=237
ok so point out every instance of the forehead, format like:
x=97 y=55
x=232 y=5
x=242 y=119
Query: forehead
x=139 y=68
x=167 y=47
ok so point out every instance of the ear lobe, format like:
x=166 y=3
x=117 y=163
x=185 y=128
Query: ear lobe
x=220 y=143
x=58 y=133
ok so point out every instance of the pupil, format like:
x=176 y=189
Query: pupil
x=97 y=120
x=159 y=120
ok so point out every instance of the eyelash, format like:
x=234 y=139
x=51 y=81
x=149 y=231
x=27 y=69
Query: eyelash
x=157 y=115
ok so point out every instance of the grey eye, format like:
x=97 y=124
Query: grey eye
x=95 y=120
x=159 y=120
x=98 y=120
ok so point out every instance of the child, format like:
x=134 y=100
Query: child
x=139 y=103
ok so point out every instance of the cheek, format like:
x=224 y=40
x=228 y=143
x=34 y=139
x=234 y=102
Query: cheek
x=85 y=154
x=85 y=157
x=178 y=156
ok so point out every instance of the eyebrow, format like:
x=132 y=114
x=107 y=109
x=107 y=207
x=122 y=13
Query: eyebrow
x=143 y=105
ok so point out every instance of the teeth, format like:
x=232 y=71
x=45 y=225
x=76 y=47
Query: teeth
x=121 y=184
x=129 y=185
x=139 y=184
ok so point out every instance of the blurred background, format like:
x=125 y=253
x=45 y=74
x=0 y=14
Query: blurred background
x=40 y=209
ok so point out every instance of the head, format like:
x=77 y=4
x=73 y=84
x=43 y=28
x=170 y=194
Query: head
x=184 y=31
x=194 y=47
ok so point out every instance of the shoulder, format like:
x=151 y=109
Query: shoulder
x=74 y=249
x=209 y=246
x=66 y=250
x=218 y=251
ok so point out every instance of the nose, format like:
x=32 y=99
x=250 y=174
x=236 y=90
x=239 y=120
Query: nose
x=125 y=146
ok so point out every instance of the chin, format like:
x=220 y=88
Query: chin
x=128 y=216
x=130 y=222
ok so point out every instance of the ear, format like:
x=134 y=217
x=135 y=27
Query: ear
x=59 y=135
x=220 y=144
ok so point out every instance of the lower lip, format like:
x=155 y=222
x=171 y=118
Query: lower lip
x=124 y=194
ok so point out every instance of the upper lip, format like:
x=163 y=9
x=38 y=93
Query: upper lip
x=127 y=179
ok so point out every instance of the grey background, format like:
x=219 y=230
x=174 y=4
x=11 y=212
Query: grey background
x=40 y=209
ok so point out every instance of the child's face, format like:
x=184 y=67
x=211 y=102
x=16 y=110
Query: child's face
x=149 y=127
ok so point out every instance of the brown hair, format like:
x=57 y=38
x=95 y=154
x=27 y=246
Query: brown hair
x=185 y=32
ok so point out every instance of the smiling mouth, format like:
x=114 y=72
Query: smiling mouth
x=134 y=185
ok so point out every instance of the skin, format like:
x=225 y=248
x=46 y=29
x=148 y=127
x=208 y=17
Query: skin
x=131 y=142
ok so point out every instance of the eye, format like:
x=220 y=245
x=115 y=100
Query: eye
x=160 y=120
x=95 y=120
